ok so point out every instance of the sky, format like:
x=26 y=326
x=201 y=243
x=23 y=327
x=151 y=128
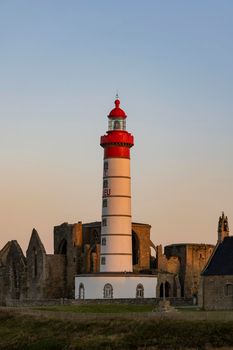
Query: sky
x=61 y=64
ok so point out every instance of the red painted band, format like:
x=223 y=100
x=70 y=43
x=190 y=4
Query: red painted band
x=116 y=152
x=117 y=137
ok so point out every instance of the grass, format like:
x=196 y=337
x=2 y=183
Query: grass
x=28 y=332
x=98 y=308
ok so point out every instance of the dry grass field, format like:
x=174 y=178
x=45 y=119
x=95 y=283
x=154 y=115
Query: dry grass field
x=114 y=327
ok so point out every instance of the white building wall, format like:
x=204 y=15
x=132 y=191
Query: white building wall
x=124 y=287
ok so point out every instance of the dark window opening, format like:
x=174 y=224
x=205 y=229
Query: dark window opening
x=164 y=288
x=135 y=248
x=35 y=262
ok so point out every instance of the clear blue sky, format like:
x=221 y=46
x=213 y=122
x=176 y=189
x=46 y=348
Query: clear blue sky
x=61 y=64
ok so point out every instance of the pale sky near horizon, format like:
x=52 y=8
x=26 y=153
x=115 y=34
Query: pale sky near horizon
x=61 y=64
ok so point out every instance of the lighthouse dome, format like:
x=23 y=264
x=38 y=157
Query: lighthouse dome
x=117 y=112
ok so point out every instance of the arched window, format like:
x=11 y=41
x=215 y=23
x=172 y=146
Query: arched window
x=15 y=276
x=35 y=267
x=96 y=236
x=140 y=291
x=81 y=291
x=135 y=248
x=229 y=289
x=108 y=291
x=63 y=247
x=103 y=260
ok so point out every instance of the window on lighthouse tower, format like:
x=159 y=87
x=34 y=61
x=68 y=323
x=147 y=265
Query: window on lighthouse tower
x=116 y=124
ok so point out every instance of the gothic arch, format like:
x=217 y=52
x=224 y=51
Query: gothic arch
x=165 y=287
x=63 y=247
x=135 y=248
x=35 y=262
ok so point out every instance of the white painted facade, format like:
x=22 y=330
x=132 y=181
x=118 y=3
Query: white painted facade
x=116 y=235
x=122 y=287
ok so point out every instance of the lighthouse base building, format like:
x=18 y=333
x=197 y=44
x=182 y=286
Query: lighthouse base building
x=115 y=286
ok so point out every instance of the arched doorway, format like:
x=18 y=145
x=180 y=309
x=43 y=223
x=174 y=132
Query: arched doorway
x=165 y=288
x=161 y=290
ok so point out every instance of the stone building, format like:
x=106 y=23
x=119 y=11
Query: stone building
x=12 y=272
x=216 y=288
x=180 y=267
x=42 y=276
x=44 y=271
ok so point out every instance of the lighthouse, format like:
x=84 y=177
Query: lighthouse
x=116 y=278
x=116 y=232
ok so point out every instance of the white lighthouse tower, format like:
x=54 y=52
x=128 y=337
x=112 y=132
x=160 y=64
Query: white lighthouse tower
x=116 y=236
x=116 y=279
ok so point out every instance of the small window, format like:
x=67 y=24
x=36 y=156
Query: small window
x=108 y=291
x=96 y=236
x=105 y=184
x=103 y=260
x=105 y=203
x=116 y=124
x=104 y=222
x=105 y=165
x=103 y=242
x=140 y=291
x=229 y=289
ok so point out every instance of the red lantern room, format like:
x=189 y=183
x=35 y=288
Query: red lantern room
x=117 y=118
x=118 y=141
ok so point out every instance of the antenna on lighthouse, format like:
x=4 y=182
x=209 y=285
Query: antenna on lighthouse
x=117 y=95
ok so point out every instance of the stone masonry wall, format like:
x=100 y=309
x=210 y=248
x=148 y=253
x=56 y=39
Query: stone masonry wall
x=216 y=294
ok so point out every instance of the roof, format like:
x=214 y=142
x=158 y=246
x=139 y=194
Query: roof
x=117 y=112
x=221 y=262
x=190 y=244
